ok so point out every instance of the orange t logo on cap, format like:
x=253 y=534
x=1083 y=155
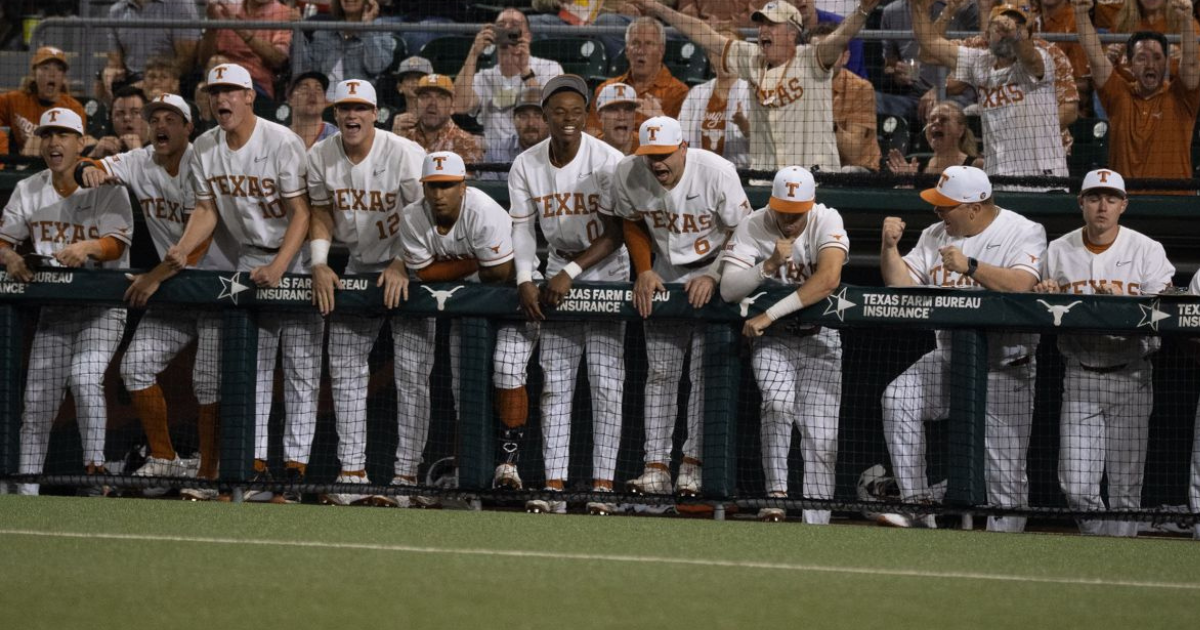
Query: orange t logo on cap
x=220 y=72
x=653 y=131
x=792 y=186
x=437 y=161
x=353 y=85
x=945 y=178
x=1103 y=176
x=620 y=90
x=53 y=115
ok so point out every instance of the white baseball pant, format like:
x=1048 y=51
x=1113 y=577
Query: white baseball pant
x=72 y=347
x=1194 y=486
x=667 y=346
x=351 y=338
x=1105 y=426
x=162 y=334
x=801 y=383
x=922 y=393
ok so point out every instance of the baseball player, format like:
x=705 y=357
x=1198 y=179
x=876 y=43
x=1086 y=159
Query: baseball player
x=562 y=184
x=455 y=233
x=359 y=181
x=67 y=226
x=976 y=244
x=1194 y=486
x=249 y=177
x=159 y=177
x=1108 y=391
x=683 y=203
x=797 y=242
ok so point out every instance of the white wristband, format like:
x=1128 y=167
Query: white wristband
x=572 y=269
x=523 y=277
x=784 y=307
x=319 y=251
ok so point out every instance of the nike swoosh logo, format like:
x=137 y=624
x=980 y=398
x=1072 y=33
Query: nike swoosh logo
x=585 y=175
x=260 y=159
x=691 y=197
x=376 y=173
x=993 y=246
x=1124 y=262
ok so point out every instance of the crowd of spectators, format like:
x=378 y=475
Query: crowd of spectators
x=805 y=89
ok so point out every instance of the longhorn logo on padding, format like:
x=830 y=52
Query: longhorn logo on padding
x=1058 y=310
x=441 y=296
x=746 y=302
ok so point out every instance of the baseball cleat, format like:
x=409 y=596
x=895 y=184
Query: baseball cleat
x=259 y=496
x=546 y=506
x=652 y=481
x=291 y=494
x=507 y=478
x=601 y=508
x=403 y=500
x=687 y=484
x=334 y=498
x=199 y=494
x=772 y=515
x=97 y=490
x=159 y=467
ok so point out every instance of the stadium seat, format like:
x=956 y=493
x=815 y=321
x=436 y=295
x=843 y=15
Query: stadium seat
x=1090 y=149
x=271 y=110
x=577 y=55
x=97 y=117
x=447 y=54
x=893 y=133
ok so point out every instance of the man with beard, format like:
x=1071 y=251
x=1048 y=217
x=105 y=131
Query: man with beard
x=73 y=344
x=616 y=105
x=130 y=130
x=530 y=127
x=792 y=103
x=21 y=109
x=1014 y=79
x=435 y=131
x=1153 y=116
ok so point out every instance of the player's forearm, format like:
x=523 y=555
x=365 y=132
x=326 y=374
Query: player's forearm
x=895 y=272
x=199 y=227
x=7 y=254
x=1004 y=280
x=502 y=273
x=602 y=247
x=738 y=282
x=638 y=241
x=161 y=272
x=321 y=223
x=525 y=245
x=448 y=270
x=297 y=230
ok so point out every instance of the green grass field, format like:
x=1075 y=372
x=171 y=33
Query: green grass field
x=75 y=563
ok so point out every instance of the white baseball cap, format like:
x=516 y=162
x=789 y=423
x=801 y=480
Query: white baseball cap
x=614 y=94
x=793 y=191
x=169 y=102
x=659 y=136
x=59 y=118
x=959 y=184
x=779 y=12
x=1105 y=179
x=230 y=74
x=355 y=91
x=443 y=166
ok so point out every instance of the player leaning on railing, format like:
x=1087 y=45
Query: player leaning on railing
x=67 y=226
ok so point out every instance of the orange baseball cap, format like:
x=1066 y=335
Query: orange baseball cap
x=436 y=82
x=49 y=53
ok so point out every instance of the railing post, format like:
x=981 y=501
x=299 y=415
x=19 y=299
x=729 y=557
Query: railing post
x=476 y=432
x=968 y=417
x=239 y=380
x=10 y=389
x=722 y=370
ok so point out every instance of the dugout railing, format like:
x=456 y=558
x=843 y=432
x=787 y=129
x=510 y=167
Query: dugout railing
x=883 y=330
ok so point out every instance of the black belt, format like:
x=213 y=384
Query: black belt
x=567 y=256
x=268 y=250
x=1104 y=370
x=1025 y=360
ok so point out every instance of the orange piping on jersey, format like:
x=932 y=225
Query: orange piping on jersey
x=197 y=255
x=637 y=239
x=110 y=249
x=447 y=270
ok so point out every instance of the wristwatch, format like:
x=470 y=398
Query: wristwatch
x=528 y=75
x=972 y=267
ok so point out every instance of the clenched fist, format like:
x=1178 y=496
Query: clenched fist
x=893 y=229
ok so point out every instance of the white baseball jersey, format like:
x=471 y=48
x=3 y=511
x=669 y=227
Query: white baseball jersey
x=52 y=222
x=483 y=232
x=1011 y=242
x=1020 y=114
x=249 y=186
x=688 y=222
x=1194 y=286
x=1134 y=264
x=566 y=202
x=754 y=241
x=366 y=199
x=167 y=201
x=791 y=107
